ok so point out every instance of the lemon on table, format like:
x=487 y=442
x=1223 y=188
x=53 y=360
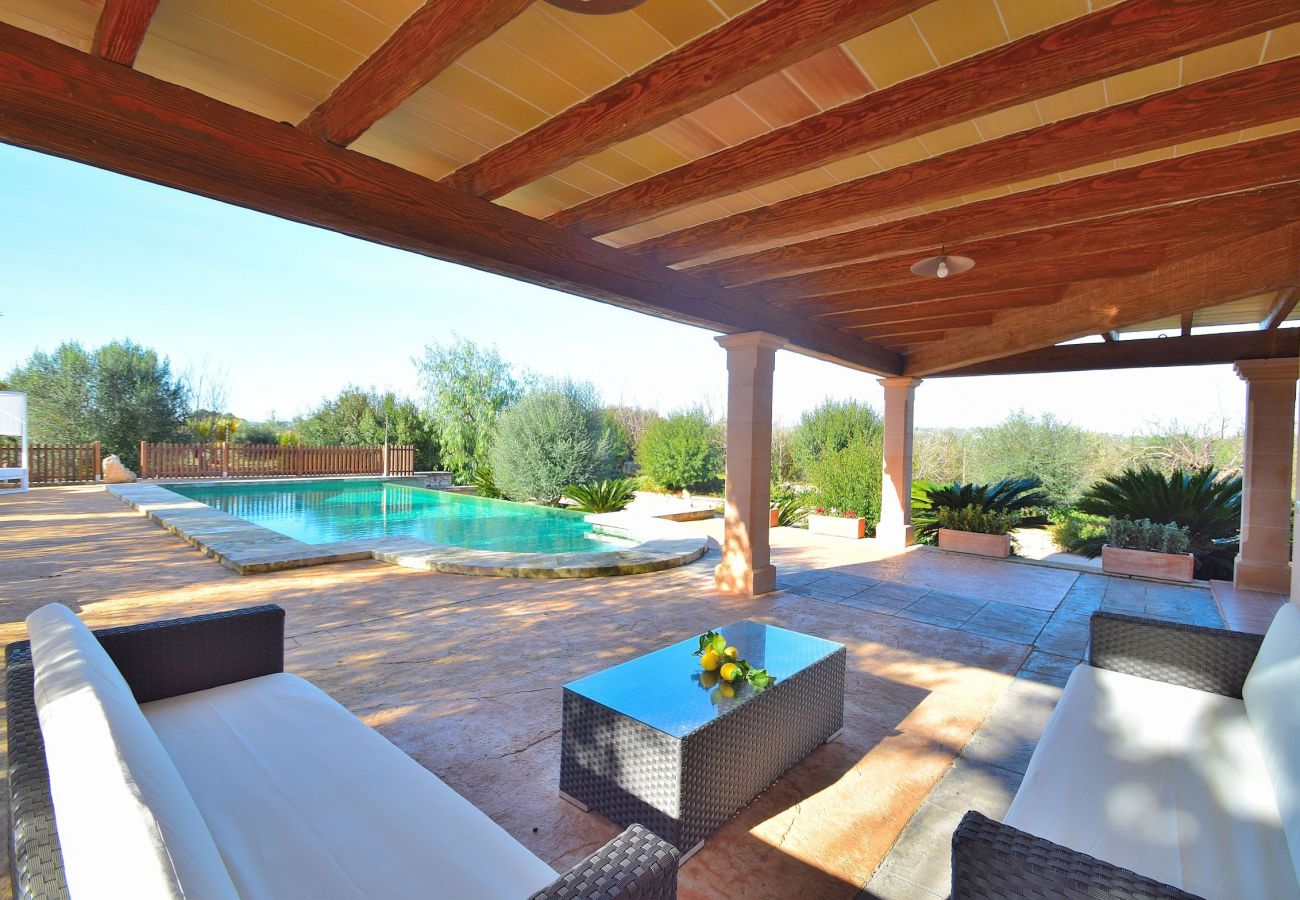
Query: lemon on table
x=731 y=653
x=709 y=679
x=710 y=660
x=729 y=672
x=728 y=691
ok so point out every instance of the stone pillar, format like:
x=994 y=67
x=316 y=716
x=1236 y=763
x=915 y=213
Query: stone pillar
x=1295 y=569
x=746 y=566
x=895 y=528
x=1264 y=563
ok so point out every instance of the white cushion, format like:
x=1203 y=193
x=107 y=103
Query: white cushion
x=1164 y=780
x=127 y=825
x=1272 y=695
x=306 y=801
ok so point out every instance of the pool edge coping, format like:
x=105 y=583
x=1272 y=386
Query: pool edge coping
x=247 y=548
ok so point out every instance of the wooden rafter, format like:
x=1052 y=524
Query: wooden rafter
x=1200 y=350
x=1107 y=42
x=1185 y=324
x=121 y=29
x=881 y=333
x=758 y=43
x=927 y=310
x=430 y=40
x=1109 y=337
x=1216 y=106
x=1283 y=303
x=1230 y=271
x=1224 y=170
x=1124 y=240
x=58 y=100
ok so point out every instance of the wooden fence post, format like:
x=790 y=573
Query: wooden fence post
x=385 y=460
x=144 y=459
x=298 y=460
x=225 y=459
x=99 y=466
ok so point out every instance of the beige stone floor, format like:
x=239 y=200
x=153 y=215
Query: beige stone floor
x=464 y=673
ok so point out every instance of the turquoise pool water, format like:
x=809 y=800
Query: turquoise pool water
x=320 y=512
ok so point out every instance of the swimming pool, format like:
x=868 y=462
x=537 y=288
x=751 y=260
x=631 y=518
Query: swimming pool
x=322 y=512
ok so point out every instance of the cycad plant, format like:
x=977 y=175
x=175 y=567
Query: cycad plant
x=1200 y=500
x=1013 y=497
x=610 y=495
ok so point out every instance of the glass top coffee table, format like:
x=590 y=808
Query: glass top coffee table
x=657 y=741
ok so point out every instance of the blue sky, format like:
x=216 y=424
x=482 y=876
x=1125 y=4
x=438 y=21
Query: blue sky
x=290 y=314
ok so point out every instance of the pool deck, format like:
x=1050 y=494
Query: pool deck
x=247 y=548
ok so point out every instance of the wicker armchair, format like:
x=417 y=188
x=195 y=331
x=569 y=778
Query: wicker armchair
x=992 y=860
x=180 y=656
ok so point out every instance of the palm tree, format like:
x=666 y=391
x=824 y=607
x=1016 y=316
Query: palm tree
x=1010 y=496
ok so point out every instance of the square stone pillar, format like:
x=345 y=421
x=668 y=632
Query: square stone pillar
x=1295 y=569
x=1264 y=563
x=746 y=566
x=895 y=528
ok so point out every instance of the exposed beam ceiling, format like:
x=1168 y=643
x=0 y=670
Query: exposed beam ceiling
x=60 y=101
x=430 y=40
x=928 y=310
x=1239 y=167
x=121 y=29
x=1200 y=350
x=1233 y=270
x=1107 y=42
x=1208 y=108
x=766 y=39
x=1283 y=303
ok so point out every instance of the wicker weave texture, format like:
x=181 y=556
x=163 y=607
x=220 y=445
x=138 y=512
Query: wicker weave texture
x=992 y=860
x=684 y=789
x=636 y=864
x=1205 y=659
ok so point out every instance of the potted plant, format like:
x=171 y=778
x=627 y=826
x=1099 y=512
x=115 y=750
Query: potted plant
x=846 y=524
x=1147 y=549
x=1019 y=498
x=971 y=529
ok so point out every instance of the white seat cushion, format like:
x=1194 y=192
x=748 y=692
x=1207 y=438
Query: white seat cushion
x=1272 y=695
x=305 y=801
x=1164 y=780
x=127 y=825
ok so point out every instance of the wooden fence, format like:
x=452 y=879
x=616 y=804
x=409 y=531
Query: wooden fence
x=55 y=463
x=226 y=460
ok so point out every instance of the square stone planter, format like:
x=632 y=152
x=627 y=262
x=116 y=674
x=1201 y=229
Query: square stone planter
x=838 y=526
x=774 y=518
x=995 y=545
x=1147 y=564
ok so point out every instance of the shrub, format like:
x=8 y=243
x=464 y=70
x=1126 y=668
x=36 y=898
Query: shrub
x=1015 y=497
x=1200 y=500
x=792 y=506
x=484 y=484
x=1071 y=529
x=1143 y=534
x=682 y=452
x=838 y=448
x=976 y=518
x=552 y=438
x=609 y=495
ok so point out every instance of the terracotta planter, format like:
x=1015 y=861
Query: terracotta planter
x=838 y=526
x=775 y=518
x=1147 y=564
x=995 y=545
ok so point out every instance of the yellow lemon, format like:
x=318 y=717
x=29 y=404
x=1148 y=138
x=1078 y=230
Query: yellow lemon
x=727 y=691
x=729 y=672
x=731 y=653
x=710 y=660
x=709 y=679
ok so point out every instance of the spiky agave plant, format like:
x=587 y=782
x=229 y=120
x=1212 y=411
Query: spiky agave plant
x=1013 y=497
x=1207 y=504
x=609 y=495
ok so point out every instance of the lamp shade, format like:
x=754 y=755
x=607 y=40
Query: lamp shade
x=942 y=266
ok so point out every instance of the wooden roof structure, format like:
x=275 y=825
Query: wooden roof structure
x=771 y=165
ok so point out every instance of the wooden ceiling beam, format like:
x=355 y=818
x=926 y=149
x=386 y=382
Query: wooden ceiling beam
x=1225 y=170
x=1230 y=271
x=1144 y=353
x=922 y=295
x=1107 y=42
x=1109 y=337
x=1244 y=99
x=1185 y=324
x=431 y=39
x=882 y=333
x=913 y=338
x=755 y=44
x=57 y=100
x=1283 y=303
x=121 y=29
x=929 y=309
x=1124 y=239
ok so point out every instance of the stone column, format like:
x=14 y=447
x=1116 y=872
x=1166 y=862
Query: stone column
x=746 y=566
x=1295 y=569
x=895 y=528
x=1264 y=563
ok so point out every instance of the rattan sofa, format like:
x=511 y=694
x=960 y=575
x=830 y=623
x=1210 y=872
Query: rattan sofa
x=222 y=651
x=1208 y=666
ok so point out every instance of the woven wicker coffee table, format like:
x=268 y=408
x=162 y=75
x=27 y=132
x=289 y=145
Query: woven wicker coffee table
x=653 y=742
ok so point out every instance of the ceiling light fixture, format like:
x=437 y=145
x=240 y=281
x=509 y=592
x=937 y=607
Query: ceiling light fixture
x=596 y=7
x=943 y=265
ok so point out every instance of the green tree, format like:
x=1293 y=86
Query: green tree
x=1060 y=455
x=357 y=418
x=683 y=451
x=465 y=390
x=838 y=447
x=554 y=437
x=120 y=394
